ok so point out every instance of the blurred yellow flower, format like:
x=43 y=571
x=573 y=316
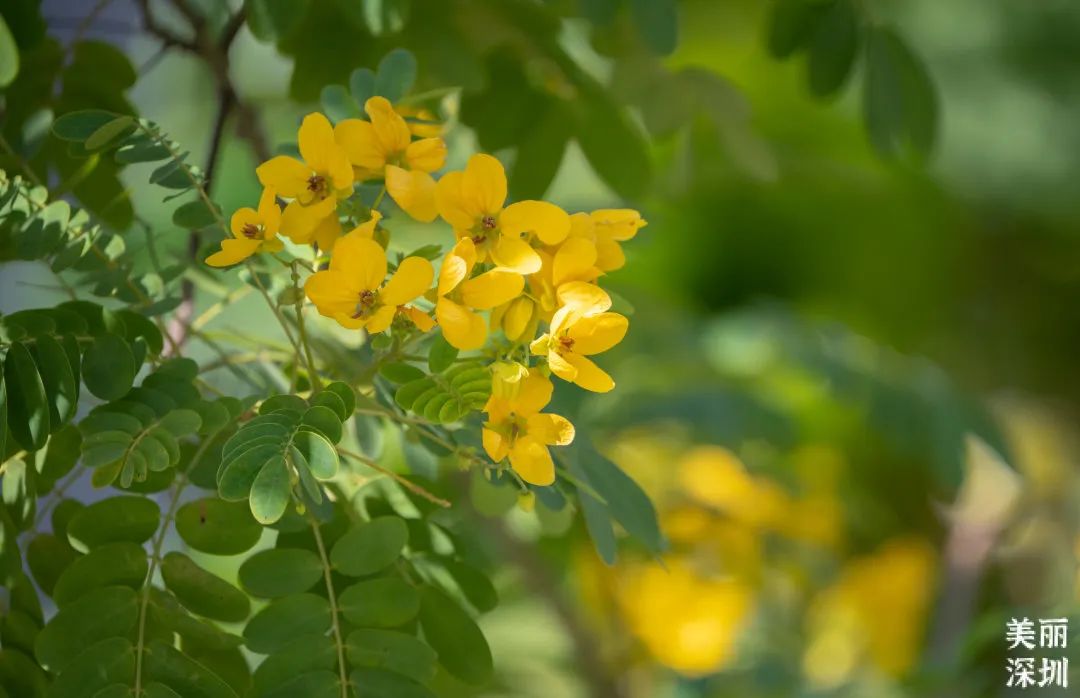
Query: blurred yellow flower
x=458 y=296
x=876 y=610
x=687 y=622
x=715 y=476
x=352 y=292
x=517 y=429
x=579 y=329
x=383 y=147
x=472 y=202
x=254 y=230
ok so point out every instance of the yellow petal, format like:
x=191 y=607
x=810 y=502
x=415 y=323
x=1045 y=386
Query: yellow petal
x=412 y=278
x=574 y=262
x=452 y=204
x=541 y=345
x=413 y=191
x=333 y=292
x=517 y=317
x=494 y=444
x=491 y=288
x=233 y=251
x=461 y=327
x=367 y=228
x=550 y=223
x=242 y=218
x=609 y=255
x=390 y=128
x=596 y=333
x=274 y=244
x=550 y=429
x=561 y=367
x=513 y=254
x=426 y=155
x=582 y=226
x=357 y=138
x=618 y=223
x=589 y=375
x=298 y=222
x=534 y=394
x=584 y=297
x=532 y=461
x=484 y=184
x=362 y=259
x=340 y=172
x=269 y=212
x=423 y=321
x=285 y=175
x=381 y=319
x=457 y=265
x=316 y=140
x=326 y=233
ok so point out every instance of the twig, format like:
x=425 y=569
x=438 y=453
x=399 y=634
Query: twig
x=335 y=624
x=407 y=484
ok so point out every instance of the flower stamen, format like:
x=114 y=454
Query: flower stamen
x=251 y=231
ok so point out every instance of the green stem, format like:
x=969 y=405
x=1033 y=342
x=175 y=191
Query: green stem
x=335 y=625
x=313 y=376
x=155 y=556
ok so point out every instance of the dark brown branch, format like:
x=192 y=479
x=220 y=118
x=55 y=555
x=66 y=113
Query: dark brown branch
x=167 y=37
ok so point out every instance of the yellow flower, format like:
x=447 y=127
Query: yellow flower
x=458 y=296
x=688 y=622
x=315 y=184
x=425 y=124
x=715 y=476
x=518 y=319
x=255 y=230
x=352 y=292
x=579 y=329
x=506 y=377
x=383 y=147
x=422 y=320
x=516 y=428
x=610 y=227
x=472 y=202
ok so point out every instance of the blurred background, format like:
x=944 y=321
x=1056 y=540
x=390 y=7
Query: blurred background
x=851 y=380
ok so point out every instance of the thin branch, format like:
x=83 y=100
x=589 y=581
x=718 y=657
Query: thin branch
x=407 y=484
x=335 y=624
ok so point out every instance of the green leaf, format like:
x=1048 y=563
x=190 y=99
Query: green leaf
x=386 y=602
x=9 y=55
x=202 y=592
x=627 y=502
x=384 y=17
x=99 y=665
x=791 y=22
x=314 y=684
x=441 y=354
x=332 y=402
x=362 y=85
x=126 y=518
x=61 y=386
x=320 y=454
x=48 y=556
x=323 y=420
x=184 y=675
x=397 y=372
x=18 y=491
x=474 y=584
x=833 y=47
x=379 y=683
x=899 y=100
x=280 y=572
x=214 y=526
x=194 y=215
x=80 y=125
x=284 y=620
x=27 y=404
x=613 y=144
x=597 y=521
x=391 y=650
x=658 y=23
x=302 y=655
x=461 y=647
x=370 y=547
x=395 y=75
x=540 y=155
x=166 y=611
x=344 y=393
x=241 y=470
x=273 y=20
x=270 y=491
x=108 y=367
x=105 y=135
x=338 y=104
x=98 y=615
x=121 y=564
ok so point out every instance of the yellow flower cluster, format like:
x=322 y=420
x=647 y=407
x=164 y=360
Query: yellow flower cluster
x=529 y=263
